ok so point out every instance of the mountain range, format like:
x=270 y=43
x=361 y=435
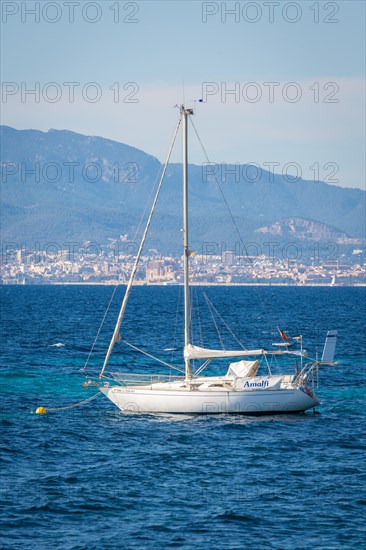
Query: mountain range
x=60 y=186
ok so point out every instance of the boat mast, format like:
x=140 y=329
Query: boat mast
x=185 y=114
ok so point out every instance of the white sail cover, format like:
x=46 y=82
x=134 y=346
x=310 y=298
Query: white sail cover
x=242 y=369
x=195 y=352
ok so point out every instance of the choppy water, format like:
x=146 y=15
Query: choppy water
x=91 y=477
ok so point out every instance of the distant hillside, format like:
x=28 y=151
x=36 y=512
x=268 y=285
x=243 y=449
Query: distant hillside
x=303 y=229
x=91 y=188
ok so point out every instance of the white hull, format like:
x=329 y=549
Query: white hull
x=145 y=400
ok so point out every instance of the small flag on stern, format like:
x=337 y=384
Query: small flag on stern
x=283 y=335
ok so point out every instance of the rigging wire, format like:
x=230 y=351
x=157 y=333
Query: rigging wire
x=82 y=370
x=147 y=203
x=203 y=366
x=194 y=307
x=220 y=188
x=262 y=300
x=116 y=334
x=175 y=325
x=191 y=325
x=199 y=325
x=99 y=329
x=214 y=320
x=223 y=320
x=152 y=356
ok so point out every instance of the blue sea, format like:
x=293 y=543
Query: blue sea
x=90 y=477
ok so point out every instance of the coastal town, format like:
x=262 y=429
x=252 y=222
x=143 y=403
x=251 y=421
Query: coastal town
x=94 y=264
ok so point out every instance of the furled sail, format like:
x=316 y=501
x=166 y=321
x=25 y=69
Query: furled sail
x=195 y=352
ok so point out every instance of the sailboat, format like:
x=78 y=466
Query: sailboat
x=241 y=390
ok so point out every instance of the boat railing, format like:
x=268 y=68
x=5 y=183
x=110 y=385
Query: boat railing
x=128 y=379
x=306 y=372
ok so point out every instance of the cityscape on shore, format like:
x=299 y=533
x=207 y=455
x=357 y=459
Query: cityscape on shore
x=55 y=265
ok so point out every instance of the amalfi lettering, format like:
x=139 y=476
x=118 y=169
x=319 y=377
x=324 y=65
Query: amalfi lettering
x=261 y=384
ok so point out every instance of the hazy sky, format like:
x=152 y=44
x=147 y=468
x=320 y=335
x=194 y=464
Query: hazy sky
x=116 y=69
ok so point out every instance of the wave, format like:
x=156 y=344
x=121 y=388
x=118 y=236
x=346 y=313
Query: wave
x=58 y=345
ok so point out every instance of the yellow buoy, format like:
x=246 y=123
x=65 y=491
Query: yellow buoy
x=41 y=410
